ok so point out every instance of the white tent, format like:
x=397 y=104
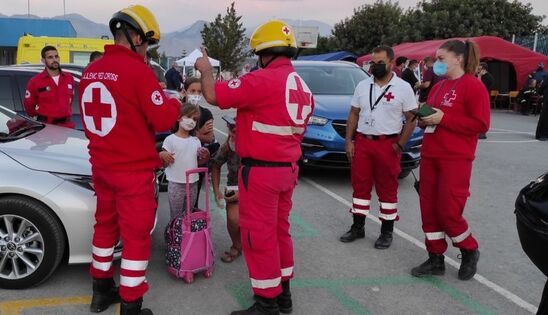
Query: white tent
x=189 y=60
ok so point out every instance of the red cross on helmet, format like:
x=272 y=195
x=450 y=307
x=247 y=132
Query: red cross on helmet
x=274 y=37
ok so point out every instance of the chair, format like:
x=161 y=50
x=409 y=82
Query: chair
x=493 y=97
x=536 y=103
x=512 y=100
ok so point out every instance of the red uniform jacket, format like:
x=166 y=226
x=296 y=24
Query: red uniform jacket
x=122 y=106
x=274 y=105
x=465 y=104
x=44 y=97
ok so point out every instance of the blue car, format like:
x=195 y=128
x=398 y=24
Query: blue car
x=333 y=84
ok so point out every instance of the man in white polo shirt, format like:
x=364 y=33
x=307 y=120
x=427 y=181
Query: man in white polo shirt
x=374 y=142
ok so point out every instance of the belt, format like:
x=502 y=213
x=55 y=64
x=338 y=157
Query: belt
x=54 y=121
x=253 y=162
x=378 y=137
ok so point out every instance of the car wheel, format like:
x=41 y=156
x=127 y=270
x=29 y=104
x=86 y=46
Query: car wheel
x=162 y=179
x=31 y=243
x=404 y=174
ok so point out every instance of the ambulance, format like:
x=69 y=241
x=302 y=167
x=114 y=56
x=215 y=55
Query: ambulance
x=71 y=49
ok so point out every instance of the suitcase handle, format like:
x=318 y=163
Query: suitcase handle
x=196 y=171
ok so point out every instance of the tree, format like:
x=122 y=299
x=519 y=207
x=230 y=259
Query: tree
x=370 y=26
x=439 y=19
x=154 y=54
x=225 y=40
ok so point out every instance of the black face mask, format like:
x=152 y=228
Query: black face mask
x=378 y=70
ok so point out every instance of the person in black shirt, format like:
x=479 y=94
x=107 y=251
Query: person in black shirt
x=486 y=77
x=542 y=127
x=487 y=80
x=408 y=75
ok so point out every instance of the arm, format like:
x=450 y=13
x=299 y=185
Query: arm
x=351 y=126
x=31 y=99
x=216 y=181
x=407 y=131
x=208 y=82
x=160 y=111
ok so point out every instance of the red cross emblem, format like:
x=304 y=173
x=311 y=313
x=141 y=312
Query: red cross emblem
x=234 y=83
x=96 y=109
x=389 y=96
x=300 y=97
x=286 y=30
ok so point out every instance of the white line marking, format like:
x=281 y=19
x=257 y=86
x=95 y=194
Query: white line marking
x=511 y=131
x=508 y=141
x=481 y=279
x=221 y=132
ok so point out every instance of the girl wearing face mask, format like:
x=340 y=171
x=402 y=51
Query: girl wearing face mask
x=461 y=105
x=182 y=151
x=227 y=155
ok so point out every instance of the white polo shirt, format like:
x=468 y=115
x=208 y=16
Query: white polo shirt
x=384 y=117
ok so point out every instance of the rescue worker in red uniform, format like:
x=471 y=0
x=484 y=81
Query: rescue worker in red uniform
x=122 y=106
x=49 y=94
x=462 y=110
x=274 y=105
x=374 y=144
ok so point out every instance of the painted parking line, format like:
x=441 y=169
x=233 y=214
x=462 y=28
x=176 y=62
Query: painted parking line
x=481 y=279
x=335 y=287
x=15 y=307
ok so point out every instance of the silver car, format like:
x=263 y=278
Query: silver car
x=47 y=201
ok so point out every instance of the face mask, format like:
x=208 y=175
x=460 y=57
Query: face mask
x=440 y=68
x=187 y=123
x=378 y=70
x=194 y=99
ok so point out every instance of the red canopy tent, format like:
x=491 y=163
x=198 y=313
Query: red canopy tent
x=491 y=48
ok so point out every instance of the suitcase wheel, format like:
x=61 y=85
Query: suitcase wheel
x=188 y=277
x=208 y=273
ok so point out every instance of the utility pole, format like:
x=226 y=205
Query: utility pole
x=28 y=8
x=64 y=10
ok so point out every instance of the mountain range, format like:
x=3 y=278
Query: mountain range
x=173 y=43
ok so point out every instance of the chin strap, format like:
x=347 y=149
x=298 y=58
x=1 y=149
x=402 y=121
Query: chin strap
x=126 y=33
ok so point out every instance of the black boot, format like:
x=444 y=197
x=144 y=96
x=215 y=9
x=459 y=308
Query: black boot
x=385 y=239
x=134 y=308
x=105 y=293
x=356 y=230
x=435 y=265
x=469 y=264
x=262 y=306
x=284 y=300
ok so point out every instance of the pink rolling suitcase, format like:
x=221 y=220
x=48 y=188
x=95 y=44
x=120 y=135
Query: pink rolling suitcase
x=188 y=238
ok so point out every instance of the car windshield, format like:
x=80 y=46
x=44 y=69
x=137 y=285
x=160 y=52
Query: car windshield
x=13 y=126
x=330 y=79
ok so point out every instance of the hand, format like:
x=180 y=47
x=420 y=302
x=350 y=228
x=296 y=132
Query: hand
x=219 y=199
x=396 y=148
x=203 y=155
x=421 y=124
x=167 y=158
x=232 y=198
x=207 y=127
x=349 y=151
x=202 y=64
x=433 y=119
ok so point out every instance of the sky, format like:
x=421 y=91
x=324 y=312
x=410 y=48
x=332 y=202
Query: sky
x=176 y=14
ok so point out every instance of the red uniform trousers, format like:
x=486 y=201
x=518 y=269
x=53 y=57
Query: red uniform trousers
x=375 y=162
x=264 y=224
x=126 y=208
x=443 y=191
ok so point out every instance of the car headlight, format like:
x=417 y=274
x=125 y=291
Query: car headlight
x=318 y=121
x=80 y=180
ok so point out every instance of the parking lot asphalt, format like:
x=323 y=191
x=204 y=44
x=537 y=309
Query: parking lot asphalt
x=355 y=278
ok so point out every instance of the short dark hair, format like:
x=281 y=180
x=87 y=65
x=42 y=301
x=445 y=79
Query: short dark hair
x=46 y=49
x=387 y=49
x=190 y=81
x=484 y=66
x=428 y=59
x=400 y=60
x=94 y=55
x=413 y=62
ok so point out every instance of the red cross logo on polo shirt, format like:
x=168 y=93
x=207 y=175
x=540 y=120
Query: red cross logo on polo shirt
x=286 y=30
x=300 y=97
x=96 y=109
x=388 y=96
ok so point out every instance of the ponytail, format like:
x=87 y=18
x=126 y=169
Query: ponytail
x=468 y=50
